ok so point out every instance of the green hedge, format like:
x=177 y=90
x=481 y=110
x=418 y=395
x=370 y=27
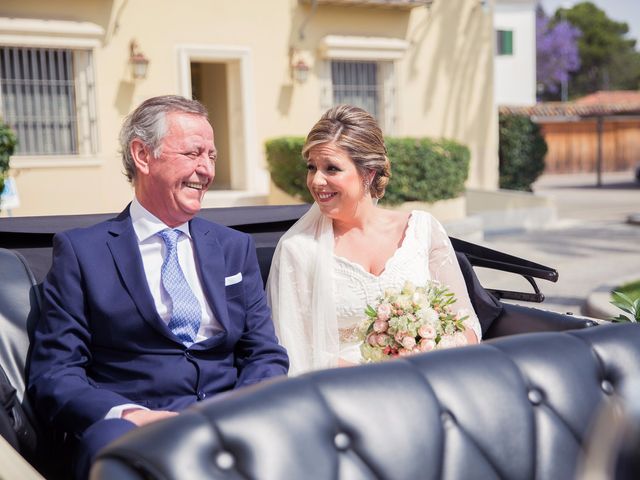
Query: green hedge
x=8 y=144
x=522 y=150
x=421 y=169
x=426 y=170
x=288 y=169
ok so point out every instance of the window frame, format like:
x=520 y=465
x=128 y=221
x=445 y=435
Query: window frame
x=385 y=52
x=83 y=38
x=504 y=42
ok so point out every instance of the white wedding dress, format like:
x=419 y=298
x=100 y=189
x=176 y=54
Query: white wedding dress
x=318 y=298
x=425 y=254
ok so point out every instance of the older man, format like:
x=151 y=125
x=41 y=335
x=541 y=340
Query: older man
x=154 y=310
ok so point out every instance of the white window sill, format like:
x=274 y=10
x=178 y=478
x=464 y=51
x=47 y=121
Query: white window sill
x=19 y=162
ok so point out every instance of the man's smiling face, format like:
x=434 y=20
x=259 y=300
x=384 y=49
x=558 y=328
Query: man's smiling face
x=172 y=184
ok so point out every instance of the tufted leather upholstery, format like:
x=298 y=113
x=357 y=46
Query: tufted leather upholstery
x=517 y=407
x=19 y=308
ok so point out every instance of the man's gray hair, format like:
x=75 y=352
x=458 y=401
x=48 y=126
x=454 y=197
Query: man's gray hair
x=148 y=123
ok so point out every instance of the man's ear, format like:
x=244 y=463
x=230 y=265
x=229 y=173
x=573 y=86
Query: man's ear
x=141 y=154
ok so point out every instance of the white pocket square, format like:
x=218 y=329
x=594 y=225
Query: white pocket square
x=233 y=279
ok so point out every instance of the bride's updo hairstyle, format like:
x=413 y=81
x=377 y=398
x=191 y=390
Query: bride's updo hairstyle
x=358 y=133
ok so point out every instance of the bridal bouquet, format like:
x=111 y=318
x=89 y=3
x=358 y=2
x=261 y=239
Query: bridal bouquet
x=411 y=320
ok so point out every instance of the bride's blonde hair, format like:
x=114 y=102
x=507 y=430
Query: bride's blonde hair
x=358 y=133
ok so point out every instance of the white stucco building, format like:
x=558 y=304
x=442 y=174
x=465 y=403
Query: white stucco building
x=515 y=52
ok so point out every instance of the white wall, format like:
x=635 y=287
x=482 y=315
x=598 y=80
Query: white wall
x=515 y=75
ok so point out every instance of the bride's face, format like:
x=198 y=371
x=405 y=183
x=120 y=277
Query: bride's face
x=334 y=181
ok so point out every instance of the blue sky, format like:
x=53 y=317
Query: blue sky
x=619 y=10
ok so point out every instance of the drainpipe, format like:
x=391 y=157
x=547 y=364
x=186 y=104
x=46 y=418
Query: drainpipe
x=600 y=129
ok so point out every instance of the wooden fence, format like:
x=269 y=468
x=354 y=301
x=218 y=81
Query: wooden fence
x=573 y=145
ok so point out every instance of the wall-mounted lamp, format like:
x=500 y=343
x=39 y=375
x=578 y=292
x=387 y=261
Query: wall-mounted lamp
x=300 y=71
x=299 y=65
x=139 y=63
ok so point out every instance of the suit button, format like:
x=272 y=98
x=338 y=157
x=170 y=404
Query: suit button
x=201 y=395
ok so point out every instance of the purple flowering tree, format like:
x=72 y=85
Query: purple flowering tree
x=556 y=53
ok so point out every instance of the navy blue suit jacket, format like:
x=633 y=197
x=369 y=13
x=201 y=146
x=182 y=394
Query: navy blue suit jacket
x=101 y=343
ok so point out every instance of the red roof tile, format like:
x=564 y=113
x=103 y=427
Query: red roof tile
x=601 y=103
x=605 y=97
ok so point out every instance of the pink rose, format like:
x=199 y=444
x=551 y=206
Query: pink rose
x=408 y=342
x=427 y=331
x=426 y=345
x=383 y=339
x=399 y=336
x=404 y=352
x=384 y=311
x=380 y=326
x=372 y=339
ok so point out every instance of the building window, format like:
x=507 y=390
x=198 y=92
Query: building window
x=47 y=97
x=367 y=85
x=356 y=83
x=505 y=42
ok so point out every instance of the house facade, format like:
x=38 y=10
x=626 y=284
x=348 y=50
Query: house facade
x=70 y=71
x=515 y=50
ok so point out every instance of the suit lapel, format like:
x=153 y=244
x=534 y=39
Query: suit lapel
x=123 y=245
x=210 y=259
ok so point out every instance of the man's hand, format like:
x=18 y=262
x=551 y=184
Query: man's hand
x=141 y=417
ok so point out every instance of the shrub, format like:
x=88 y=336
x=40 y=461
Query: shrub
x=426 y=170
x=421 y=169
x=288 y=169
x=8 y=144
x=521 y=152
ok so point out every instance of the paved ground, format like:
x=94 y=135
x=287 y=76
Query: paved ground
x=590 y=244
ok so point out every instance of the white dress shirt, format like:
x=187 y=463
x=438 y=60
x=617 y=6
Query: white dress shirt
x=153 y=251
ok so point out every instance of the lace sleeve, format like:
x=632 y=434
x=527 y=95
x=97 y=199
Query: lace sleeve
x=443 y=267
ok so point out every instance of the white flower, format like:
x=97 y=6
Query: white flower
x=446 y=341
x=428 y=316
x=460 y=340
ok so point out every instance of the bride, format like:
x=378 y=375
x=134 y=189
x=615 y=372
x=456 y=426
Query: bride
x=346 y=251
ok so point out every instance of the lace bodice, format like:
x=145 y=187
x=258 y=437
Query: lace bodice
x=354 y=287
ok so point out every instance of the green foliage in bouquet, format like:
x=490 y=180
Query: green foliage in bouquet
x=8 y=142
x=421 y=169
x=628 y=305
x=522 y=149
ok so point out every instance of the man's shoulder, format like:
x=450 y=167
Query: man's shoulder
x=97 y=229
x=220 y=231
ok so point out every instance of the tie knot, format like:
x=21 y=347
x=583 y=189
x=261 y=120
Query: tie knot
x=170 y=236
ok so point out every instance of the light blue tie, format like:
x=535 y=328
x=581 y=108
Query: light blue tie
x=185 y=312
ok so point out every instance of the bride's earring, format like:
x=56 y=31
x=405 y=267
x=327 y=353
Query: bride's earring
x=367 y=185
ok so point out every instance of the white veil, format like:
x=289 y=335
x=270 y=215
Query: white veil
x=300 y=292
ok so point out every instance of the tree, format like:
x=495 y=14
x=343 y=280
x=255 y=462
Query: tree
x=8 y=143
x=556 y=54
x=609 y=60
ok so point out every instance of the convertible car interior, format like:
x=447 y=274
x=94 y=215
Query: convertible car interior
x=520 y=405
